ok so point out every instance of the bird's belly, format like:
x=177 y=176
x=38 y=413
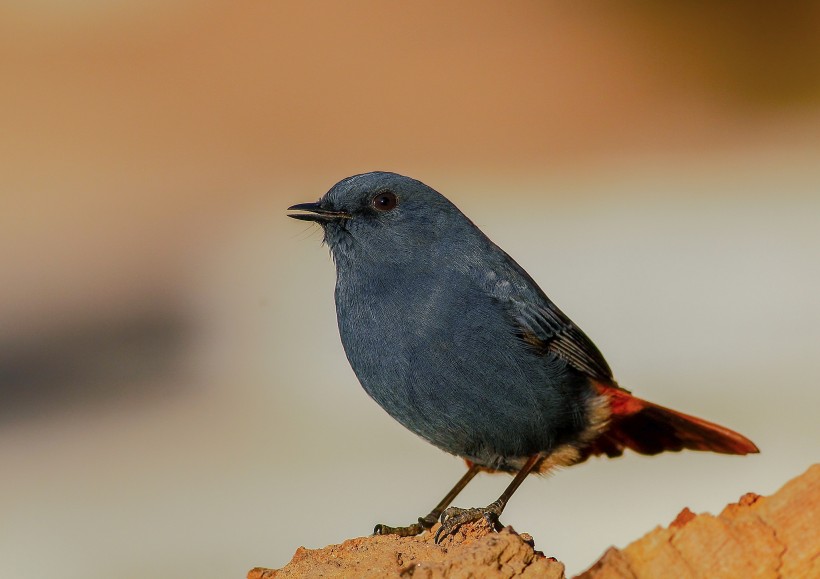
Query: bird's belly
x=463 y=387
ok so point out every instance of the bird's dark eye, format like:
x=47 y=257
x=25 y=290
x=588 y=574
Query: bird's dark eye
x=384 y=201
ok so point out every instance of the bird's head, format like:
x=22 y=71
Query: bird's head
x=383 y=217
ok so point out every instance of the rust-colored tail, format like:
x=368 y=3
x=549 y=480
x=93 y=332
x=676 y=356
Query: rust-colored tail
x=651 y=429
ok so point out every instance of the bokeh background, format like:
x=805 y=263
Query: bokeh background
x=174 y=398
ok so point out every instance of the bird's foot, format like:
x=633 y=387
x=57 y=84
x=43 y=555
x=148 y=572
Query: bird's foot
x=410 y=530
x=453 y=518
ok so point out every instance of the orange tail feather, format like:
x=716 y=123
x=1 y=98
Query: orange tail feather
x=648 y=428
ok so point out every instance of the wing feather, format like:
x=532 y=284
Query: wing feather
x=550 y=330
x=543 y=327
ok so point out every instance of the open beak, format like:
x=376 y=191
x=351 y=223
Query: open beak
x=313 y=212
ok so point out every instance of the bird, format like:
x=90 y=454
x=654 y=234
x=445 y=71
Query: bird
x=449 y=335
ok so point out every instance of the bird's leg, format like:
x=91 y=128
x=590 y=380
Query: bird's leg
x=430 y=519
x=453 y=518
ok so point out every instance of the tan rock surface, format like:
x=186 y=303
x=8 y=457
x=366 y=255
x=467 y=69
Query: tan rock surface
x=758 y=537
x=474 y=551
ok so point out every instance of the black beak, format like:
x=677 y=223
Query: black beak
x=313 y=212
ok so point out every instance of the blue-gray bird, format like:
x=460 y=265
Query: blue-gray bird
x=457 y=342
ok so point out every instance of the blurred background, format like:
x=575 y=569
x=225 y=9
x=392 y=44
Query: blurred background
x=174 y=398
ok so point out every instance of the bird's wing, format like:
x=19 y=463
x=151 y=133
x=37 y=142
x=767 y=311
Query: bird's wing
x=541 y=325
x=547 y=329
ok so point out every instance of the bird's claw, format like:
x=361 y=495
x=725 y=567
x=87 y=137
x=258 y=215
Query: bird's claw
x=423 y=524
x=453 y=518
x=408 y=531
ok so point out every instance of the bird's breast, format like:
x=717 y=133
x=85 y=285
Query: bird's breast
x=412 y=339
x=441 y=356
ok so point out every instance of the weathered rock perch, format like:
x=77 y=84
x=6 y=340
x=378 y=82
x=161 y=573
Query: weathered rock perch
x=474 y=551
x=760 y=537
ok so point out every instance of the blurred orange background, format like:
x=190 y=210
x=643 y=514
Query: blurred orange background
x=175 y=398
